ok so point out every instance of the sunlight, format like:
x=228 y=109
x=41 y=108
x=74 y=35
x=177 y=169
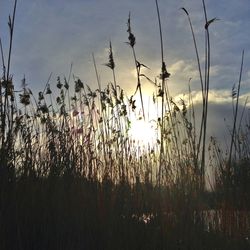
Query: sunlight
x=143 y=132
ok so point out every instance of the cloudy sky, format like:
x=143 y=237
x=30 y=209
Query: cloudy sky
x=52 y=34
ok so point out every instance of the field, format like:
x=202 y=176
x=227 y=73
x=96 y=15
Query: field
x=73 y=177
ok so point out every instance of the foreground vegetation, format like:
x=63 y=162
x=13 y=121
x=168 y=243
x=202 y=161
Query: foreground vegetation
x=71 y=177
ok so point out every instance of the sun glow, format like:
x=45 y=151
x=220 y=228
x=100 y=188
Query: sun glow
x=142 y=132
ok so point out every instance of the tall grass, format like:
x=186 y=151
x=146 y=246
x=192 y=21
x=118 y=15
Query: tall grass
x=71 y=176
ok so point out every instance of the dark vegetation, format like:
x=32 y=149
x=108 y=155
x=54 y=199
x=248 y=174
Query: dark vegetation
x=71 y=178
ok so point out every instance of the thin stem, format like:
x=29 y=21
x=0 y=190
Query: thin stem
x=201 y=81
x=7 y=77
x=206 y=92
x=162 y=100
x=11 y=25
x=104 y=132
x=236 y=113
x=138 y=82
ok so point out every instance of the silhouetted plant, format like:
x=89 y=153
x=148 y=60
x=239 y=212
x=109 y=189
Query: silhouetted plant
x=71 y=177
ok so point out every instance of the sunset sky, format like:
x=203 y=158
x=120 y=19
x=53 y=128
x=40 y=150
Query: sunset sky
x=50 y=35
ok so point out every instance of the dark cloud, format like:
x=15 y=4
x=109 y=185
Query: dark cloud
x=220 y=121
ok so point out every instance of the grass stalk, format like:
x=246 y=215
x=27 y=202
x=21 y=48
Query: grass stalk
x=234 y=134
x=137 y=64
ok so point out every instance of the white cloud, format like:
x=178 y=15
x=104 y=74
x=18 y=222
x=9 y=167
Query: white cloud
x=222 y=97
x=184 y=69
x=189 y=69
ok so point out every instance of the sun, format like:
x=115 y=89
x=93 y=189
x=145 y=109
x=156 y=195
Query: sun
x=142 y=132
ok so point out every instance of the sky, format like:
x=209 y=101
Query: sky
x=51 y=34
